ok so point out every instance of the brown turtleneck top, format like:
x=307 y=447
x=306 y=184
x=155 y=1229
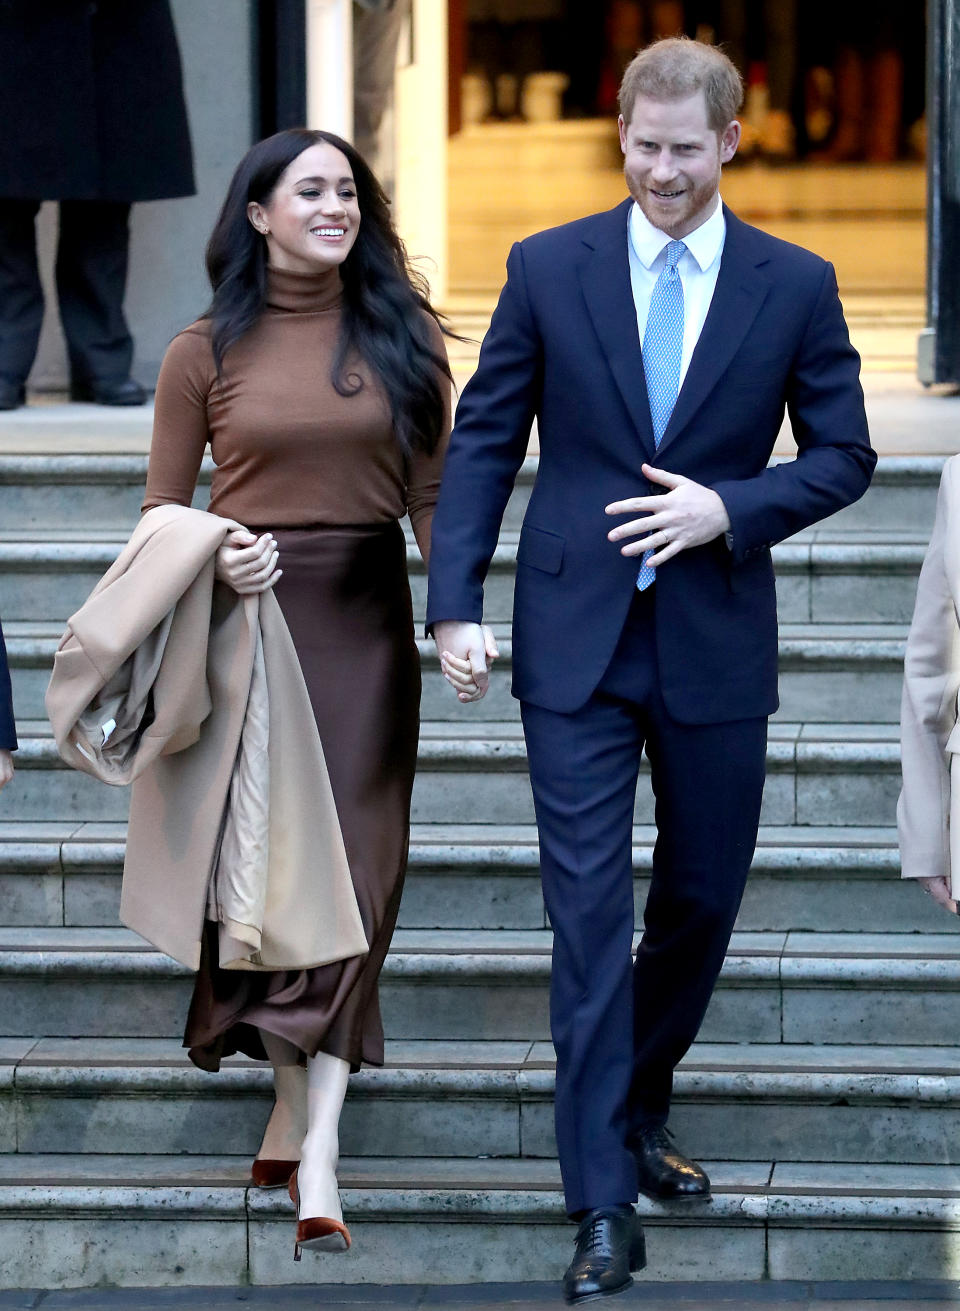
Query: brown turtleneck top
x=289 y=450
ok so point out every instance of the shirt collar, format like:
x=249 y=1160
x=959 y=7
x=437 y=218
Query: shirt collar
x=704 y=243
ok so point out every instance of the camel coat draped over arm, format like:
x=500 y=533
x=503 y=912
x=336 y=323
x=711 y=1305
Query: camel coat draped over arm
x=928 y=812
x=173 y=682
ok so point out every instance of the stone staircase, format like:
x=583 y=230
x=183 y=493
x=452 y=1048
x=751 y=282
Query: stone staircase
x=825 y=1089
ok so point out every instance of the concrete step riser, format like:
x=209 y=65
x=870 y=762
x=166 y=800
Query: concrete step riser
x=70 y=1238
x=78 y=492
x=837 y=585
x=830 y=898
x=444 y=1123
x=453 y=1000
x=830 y=691
x=474 y=787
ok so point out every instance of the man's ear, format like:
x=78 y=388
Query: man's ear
x=622 y=127
x=729 y=140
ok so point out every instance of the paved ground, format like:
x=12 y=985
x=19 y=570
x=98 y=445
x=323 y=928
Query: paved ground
x=922 y=1296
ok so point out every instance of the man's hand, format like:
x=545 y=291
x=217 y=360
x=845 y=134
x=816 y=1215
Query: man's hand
x=939 y=890
x=688 y=515
x=464 y=650
x=6 y=768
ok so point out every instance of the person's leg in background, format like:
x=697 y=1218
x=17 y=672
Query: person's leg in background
x=732 y=17
x=91 y=271
x=869 y=83
x=525 y=55
x=777 y=136
x=376 y=39
x=885 y=83
x=21 y=298
x=485 y=56
x=582 y=50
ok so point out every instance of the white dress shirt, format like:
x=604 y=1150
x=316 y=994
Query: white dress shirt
x=698 y=269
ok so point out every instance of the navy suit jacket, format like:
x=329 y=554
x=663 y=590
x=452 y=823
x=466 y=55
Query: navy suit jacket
x=8 y=735
x=563 y=347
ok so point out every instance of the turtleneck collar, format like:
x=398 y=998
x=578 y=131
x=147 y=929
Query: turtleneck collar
x=303 y=293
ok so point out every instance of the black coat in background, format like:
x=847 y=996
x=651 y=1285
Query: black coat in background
x=8 y=735
x=91 y=102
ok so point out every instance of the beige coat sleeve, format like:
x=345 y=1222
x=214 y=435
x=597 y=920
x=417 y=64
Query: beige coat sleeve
x=931 y=682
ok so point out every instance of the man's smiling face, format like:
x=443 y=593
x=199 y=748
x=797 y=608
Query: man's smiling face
x=672 y=159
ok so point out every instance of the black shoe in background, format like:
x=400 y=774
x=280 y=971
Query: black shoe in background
x=108 y=391
x=663 y=1172
x=12 y=394
x=610 y=1245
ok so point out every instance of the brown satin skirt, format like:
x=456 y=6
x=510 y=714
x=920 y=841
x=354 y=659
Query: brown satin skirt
x=346 y=599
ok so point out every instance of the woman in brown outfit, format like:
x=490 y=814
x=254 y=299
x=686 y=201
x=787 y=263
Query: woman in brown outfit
x=319 y=379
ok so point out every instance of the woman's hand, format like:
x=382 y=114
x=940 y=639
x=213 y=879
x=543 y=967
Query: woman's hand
x=248 y=563
x=939 y=890
x=6 y=768
x=468 y=672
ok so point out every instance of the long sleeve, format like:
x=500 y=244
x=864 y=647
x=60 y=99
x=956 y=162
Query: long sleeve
x=486 y=451
x=425 y=471
x=929 y=705
x=8 y=733
x=180 y=423
x=835 y=460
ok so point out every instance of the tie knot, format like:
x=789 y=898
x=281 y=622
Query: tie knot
x=675 y=251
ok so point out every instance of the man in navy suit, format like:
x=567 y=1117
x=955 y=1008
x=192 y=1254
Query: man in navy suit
x=8 y=733
x=657 y=345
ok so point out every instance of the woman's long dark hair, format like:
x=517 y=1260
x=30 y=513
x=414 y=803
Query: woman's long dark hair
x=383 y=297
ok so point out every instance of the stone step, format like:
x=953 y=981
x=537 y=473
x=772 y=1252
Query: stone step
x=485 y=876
x=84 y=492
x=828 y=673
x=74 y=1221
x=868 y=1105
x=81 y=491
x=823 y=576
x=816 y=988
x=817 y=774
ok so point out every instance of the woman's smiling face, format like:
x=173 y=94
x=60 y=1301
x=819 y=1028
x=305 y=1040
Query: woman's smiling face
x=311 y=219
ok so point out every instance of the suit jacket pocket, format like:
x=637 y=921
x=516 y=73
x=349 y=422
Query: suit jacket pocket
x=540 y=549
x=756 y=571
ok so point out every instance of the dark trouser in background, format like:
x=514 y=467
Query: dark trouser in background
x=620 y=1028
x=91 y=275
x=376 y=37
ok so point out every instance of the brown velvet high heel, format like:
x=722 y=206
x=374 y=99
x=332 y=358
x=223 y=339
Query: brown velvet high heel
x=267 y=1173
x=318 y=1233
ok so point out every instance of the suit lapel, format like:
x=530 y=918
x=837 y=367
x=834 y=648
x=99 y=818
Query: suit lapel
x=740 y=291
x=605 y=280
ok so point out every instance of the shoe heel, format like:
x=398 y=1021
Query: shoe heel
x=638 y=1251
x=297 y=1256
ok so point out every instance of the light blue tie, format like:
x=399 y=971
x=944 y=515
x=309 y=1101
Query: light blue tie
x=662 y=352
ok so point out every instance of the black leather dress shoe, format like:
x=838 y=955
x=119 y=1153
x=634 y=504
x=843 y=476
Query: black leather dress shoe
x=108 y=391
x=12 y=394
x=663 y=1172
x=610 y=1245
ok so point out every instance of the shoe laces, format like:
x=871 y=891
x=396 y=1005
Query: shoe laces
x=597 y=1238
